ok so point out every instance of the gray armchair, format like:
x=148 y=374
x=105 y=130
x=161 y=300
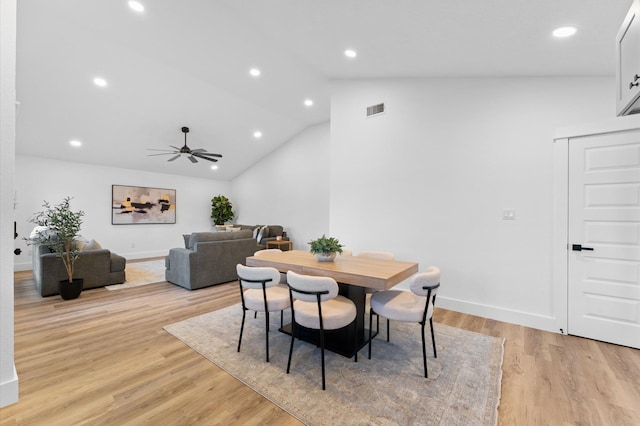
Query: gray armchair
x=97 y=268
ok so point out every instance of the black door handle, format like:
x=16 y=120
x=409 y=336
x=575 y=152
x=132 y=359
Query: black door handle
x=578 y=247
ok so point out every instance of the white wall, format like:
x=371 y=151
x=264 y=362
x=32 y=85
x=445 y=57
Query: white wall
x=290 y=187
x=429 y=179
x=39 y=179
x=8 y=375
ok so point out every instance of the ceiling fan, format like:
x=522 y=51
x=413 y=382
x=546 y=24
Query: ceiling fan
x=192 y=153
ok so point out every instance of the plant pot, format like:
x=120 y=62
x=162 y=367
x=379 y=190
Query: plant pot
x=325 y=257
x=70 y=290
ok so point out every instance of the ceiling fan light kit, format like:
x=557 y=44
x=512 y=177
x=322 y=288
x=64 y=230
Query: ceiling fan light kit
x=192 y=154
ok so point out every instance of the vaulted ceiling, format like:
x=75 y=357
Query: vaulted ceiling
x=186 y=63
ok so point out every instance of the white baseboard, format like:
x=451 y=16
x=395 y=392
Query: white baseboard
x=26 y=266
x=145 y=254
x=9 y=390
x=527 y=319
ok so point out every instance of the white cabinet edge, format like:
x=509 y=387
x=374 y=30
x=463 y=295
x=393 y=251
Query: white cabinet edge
x=615 y=124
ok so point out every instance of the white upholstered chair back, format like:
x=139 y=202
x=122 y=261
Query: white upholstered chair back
x=309 y=283
x=265 y=251
x=257 y=273
x=376 y=254
x=429 y=278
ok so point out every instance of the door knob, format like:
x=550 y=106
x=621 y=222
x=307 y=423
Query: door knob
x=579 y=247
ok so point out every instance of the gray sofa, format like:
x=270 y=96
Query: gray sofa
x=97 y=268
x=209 y=258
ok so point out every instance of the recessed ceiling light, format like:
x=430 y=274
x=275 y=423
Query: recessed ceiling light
x=137 y=6
x=214 y=167
x=564 y=32
x=257 y=134
x=100 y=82
x=308 y=102
x=255 y=72
x=75 y=143
x=350 y=53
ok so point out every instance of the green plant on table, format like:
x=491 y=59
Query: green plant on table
x=325 y=245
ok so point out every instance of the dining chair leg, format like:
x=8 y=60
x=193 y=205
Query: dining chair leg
x=266 y=316
x=370 y=328
x=281 y=318
x=355 y=340
x=388 y=329
x=433 y=338
x=322 y=356
x=424 y=352
x=293 y=332
x=241 y=328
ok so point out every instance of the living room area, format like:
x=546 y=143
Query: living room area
x=458 y=171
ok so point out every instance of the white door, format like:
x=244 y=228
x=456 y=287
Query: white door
x=604 y=238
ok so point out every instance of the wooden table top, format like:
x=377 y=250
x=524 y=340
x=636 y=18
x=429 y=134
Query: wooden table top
x=379 y=274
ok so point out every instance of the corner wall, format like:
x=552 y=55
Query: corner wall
x=289 y=187
x=429 y=180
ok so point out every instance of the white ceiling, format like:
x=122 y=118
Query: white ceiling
x=186 y=63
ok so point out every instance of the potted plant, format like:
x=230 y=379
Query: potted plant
x=221 y=209
x=59 y=227
x=325 y=248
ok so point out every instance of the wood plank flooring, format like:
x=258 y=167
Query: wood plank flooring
x=104 y=359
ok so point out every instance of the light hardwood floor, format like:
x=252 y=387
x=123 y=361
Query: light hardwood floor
x=104 y=359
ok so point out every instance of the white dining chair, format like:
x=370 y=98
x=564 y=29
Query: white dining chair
x=261 y=291
x=315 y=304
x=283 y=276
x=409 y=306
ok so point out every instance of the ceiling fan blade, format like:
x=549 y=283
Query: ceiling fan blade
x=162 y=153
x=173 y=158
x=175 y=147
x=166 y=150
x=199 y=155
x=209 y=154
x=198 y=150
x=192 y=158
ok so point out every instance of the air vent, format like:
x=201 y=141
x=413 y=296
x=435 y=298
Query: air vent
x=375 y=110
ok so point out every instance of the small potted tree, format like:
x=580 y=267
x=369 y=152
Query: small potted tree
x=221 y=210
x=59 y=227
x=325 y=248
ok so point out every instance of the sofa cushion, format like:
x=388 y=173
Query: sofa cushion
x=186 y=240
x=275 y=230
x=200 y=237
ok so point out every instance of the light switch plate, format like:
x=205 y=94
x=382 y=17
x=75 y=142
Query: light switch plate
x=508 y=214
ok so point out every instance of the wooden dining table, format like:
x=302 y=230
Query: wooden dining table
x=354 y=274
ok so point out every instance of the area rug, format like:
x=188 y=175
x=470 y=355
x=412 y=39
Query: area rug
x=141 y=273
x=463 y=387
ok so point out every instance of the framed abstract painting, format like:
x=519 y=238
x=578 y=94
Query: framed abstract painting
x=137 y=205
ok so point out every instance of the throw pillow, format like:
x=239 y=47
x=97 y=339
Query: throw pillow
x=255 y=232
x=91 y=245
x=263 y=233
x=39 y=231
